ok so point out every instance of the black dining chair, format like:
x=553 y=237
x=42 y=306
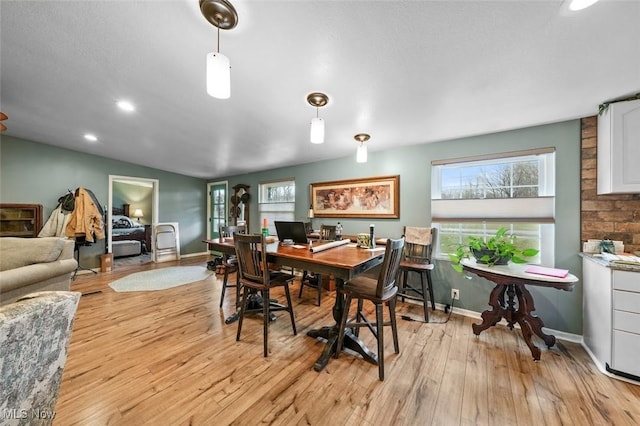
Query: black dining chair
x=314 y=280
x=255 y=276
x=380 y=291
x=229 y=263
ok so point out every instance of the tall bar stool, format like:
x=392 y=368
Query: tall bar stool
x=417 y=259
x=255 y=276
x=381 y=291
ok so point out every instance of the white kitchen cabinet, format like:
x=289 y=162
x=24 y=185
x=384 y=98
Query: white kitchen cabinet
x=619 y=148
x=611 y=317
x=626 y=322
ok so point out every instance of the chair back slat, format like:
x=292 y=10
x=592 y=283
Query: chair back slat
x=251 y=263
x=389 y=269
x=419 y=244
x=327 y=232
x=228 y=231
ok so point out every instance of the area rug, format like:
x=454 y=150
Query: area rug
x=160 y=279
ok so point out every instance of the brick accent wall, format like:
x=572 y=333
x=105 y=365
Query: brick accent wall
x=616 y=217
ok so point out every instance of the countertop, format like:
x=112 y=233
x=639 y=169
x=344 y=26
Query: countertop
x=613 y=264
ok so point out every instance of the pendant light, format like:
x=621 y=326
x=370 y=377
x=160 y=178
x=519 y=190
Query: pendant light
x=576 y=5
x=317 y=100
x=221 y=14
x=361 y=153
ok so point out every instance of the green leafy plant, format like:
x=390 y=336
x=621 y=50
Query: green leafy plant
x=499 y=249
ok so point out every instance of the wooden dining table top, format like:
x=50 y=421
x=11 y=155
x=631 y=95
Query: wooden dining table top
x=343 y=262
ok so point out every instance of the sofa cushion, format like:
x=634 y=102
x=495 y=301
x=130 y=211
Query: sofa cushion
x=17 y=252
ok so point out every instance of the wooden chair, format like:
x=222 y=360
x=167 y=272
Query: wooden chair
x=327 y=232
x=417 y=259
x=314 y=280
x=229 y=263
x=255 y=275
x=381 y=291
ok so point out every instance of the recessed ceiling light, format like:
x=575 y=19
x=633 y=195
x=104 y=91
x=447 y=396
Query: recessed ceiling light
x=576 y=5
x=91 y=137
x=126 y=106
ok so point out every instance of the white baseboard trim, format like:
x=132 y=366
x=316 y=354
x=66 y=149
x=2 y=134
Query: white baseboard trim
x=202 y=253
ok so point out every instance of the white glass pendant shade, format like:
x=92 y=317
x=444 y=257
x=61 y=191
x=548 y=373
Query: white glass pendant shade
x=218 y=75
x=576 y=5
x=361 y=154
x=317 y=130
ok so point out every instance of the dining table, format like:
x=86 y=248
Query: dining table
x=343 y=262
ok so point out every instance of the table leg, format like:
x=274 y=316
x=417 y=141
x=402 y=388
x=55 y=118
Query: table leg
x=330 y=334
x=535 y=322
x=525 y=327
x=493 y=316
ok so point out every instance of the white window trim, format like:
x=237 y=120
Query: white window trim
x=539 y=210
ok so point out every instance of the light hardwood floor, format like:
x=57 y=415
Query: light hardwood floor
x=167 y=358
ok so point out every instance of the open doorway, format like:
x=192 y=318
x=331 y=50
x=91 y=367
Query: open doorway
x=131 y=216
x=216 y=207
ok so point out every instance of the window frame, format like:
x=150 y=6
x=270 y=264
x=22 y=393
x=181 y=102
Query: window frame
x=274 y=209
x=489 y=212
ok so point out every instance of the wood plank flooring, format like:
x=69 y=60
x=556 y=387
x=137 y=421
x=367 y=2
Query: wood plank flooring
x=167 y=358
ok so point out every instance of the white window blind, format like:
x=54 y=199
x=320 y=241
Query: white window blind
x=277 y=201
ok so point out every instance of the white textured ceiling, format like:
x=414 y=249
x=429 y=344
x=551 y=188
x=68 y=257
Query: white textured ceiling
x=407 y=72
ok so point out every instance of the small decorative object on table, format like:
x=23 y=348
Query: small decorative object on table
x=372 y=239
x=363 y=240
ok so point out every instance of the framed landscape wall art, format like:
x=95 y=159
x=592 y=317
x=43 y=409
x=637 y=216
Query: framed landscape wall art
x=374 y=197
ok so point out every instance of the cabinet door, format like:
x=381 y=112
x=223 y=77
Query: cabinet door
x=618 y=148
x=626 y=347
x=20 y=220
x=597 y=315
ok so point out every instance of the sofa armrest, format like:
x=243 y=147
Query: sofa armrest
x=25 y=275
x=68 y=250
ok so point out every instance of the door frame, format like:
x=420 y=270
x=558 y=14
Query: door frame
x=155 y=183
x=226 y=204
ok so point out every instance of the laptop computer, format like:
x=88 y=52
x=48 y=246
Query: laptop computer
x=291 y=231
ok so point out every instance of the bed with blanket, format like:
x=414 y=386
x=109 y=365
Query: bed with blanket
x=127 y=235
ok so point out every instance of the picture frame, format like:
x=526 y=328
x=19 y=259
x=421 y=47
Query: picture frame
x=374 y=197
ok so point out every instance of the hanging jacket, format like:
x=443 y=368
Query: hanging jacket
x=86 y=219
x=57 y=223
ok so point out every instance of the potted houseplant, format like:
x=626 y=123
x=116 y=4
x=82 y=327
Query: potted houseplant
x=497 y=250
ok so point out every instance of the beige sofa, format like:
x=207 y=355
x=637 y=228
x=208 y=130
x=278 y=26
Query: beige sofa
x=29 y=265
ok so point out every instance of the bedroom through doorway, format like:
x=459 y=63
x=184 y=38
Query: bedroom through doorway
x=132 y=212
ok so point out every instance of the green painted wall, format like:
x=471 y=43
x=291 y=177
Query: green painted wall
x=37 y=173
x=32 y=172
x=560 y=310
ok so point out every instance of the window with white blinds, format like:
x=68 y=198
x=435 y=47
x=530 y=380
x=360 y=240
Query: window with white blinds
x=277 y=201
x=477 y=196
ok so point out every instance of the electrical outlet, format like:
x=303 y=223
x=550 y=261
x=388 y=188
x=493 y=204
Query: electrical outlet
x=455 y=294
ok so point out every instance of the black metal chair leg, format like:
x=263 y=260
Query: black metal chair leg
x=433 y=303
x=425 y=302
